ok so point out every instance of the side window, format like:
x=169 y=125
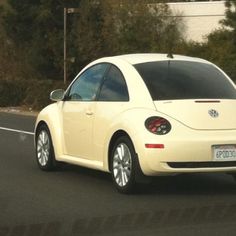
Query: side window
x=114 y=87
x=87 y=84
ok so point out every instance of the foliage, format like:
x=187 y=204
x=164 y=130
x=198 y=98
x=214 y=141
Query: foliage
x=36 y=28
x=31 y=37
x=230 y=14
x=11 y=62
x=30 y=93
x=110 y=27
x=11 y=94
x=32 y=41
x=37 y=92
x=102 y=28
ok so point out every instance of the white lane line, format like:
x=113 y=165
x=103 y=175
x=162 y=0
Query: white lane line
x=17 y=131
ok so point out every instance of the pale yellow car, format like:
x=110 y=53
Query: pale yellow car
x=142 y=115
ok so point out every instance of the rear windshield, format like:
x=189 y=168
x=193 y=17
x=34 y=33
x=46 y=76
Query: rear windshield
x=170 y=80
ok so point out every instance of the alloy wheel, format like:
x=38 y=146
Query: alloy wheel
x=43 y=148
x=122 y=164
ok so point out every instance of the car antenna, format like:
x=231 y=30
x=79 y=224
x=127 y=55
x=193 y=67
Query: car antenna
x=170 y=55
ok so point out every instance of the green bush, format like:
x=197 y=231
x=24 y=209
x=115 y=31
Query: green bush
x=11 y=93
x=31 y=93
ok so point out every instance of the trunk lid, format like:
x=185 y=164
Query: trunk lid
x=201 y=114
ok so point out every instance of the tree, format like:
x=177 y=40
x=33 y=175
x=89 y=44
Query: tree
x=230 y=20
x=36 y=28
x=11 y=64
x=102 y=28
x=221 y=44
x=110 y=27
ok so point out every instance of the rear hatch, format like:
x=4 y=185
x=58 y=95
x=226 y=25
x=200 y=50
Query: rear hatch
x=201 y=114
x=196 y=93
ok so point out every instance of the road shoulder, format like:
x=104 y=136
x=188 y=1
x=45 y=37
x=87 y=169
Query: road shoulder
x=19 y=111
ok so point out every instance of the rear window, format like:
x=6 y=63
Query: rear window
x=170 y=80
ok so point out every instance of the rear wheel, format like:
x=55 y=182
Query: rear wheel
x=123 y=165
x=44 y=149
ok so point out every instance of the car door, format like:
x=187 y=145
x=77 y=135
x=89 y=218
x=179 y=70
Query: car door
x=78 y=112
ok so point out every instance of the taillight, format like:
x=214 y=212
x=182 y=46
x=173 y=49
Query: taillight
x=158 y=125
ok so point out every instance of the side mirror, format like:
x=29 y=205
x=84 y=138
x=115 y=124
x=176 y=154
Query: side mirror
x=57 y=95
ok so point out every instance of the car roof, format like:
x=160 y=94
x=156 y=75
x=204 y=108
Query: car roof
x=150 y=57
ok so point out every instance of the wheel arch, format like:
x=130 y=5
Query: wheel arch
x=139 y=176
x=40 y=123
x=50 y=116
x=115 y=136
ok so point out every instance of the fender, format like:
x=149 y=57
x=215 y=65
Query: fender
x=125 y=123
x=51 y=115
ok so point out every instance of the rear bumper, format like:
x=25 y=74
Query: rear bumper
x=186 y=153
x=207 y=164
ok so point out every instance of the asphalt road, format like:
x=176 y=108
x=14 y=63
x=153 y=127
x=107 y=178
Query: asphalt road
x=77 y=201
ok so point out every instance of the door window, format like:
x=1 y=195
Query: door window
x=85 y=87
x=114 y=87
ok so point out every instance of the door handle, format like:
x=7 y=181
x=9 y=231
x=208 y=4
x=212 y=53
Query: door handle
x=89 y=113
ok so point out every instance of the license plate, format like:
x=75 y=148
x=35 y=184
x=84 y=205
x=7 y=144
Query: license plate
x=224 y=153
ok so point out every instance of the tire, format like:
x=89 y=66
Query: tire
x=44 y=149
x=123 y=165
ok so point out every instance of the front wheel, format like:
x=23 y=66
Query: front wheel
x=123 y=165
x=44 y=149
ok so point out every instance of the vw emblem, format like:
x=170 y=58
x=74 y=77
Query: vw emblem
x=213 y=113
